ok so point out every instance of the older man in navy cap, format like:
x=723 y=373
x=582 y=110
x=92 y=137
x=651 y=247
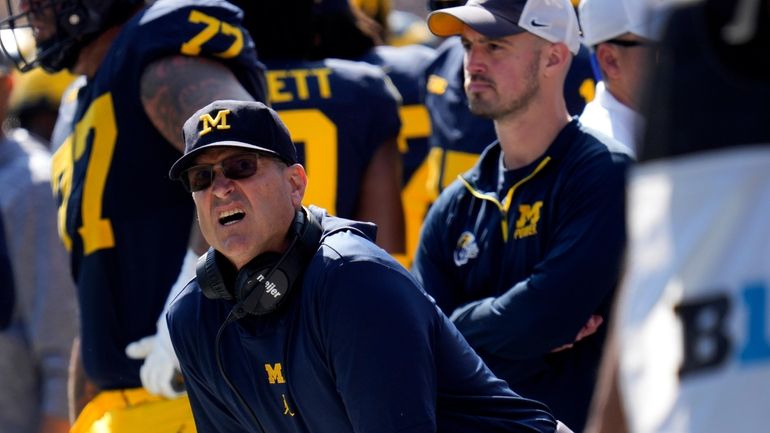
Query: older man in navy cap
x=524 y=250
x=297 y=322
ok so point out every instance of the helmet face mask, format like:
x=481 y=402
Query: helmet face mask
x=32 y=35
x=59 y=29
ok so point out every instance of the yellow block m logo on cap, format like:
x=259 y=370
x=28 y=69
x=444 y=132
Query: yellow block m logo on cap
x=209 y=123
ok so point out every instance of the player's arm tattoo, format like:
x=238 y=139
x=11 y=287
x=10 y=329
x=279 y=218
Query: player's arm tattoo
x=173 y=88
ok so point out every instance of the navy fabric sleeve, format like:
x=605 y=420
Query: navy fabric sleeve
x=432 y=260
x=572 y=282
x=209 y=412
x=384 y=100
x=7 y=290
x=378 y=327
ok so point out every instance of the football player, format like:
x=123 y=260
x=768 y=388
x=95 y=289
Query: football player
x=689 y=350
x=128 y=229
x=405 y=66
x=343 y=115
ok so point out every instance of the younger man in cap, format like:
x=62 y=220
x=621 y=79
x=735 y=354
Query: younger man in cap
x=297 y=321
x=523 y=251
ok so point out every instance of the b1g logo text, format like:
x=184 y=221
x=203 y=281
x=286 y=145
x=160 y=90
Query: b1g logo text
x=707 y=341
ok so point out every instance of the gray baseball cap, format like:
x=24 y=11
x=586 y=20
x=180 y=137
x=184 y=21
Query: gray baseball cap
x=602 y=20
x=552 y=20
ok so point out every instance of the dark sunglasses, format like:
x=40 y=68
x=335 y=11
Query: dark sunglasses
x=200 y=177
x=629 y=44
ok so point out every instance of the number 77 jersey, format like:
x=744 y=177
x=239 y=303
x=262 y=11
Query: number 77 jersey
x=124 y=222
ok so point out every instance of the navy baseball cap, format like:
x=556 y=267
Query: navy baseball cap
x=227 y=123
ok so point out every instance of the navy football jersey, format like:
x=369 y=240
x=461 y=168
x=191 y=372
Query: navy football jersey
x=124 y=222
x=406 y=67
x=338 y=112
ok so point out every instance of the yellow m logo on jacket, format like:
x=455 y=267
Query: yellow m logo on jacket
x=529 y=215
x=274 y=374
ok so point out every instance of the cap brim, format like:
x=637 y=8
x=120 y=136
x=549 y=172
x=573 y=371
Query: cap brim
x=450 y=22
x=187 y=159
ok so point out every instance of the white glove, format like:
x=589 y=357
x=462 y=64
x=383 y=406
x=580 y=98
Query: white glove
x=160 y=372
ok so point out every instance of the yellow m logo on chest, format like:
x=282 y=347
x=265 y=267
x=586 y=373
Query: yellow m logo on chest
x=274 y=373
x=529 y=215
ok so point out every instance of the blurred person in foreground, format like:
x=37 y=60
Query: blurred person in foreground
x=689 y=351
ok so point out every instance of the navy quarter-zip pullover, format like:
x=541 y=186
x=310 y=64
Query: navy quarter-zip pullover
x=359 y=347
x=520 y=259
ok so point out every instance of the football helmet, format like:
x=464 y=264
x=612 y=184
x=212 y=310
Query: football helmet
x=59 y=28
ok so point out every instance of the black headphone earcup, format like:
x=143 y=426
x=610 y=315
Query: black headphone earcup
x=210 y=278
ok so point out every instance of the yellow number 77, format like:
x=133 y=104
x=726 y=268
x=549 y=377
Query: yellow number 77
x=212 y=28
x=99 y=123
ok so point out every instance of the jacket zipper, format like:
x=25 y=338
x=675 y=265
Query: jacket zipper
x=504 y=207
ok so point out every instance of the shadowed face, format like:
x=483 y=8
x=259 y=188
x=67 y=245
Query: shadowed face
x=42 y=18
x=242 y=218
x=625 y=62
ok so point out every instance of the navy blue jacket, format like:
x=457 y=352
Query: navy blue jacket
x=359 y=347
x=521 y=260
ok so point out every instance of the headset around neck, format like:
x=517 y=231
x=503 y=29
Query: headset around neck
x=263 y=284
